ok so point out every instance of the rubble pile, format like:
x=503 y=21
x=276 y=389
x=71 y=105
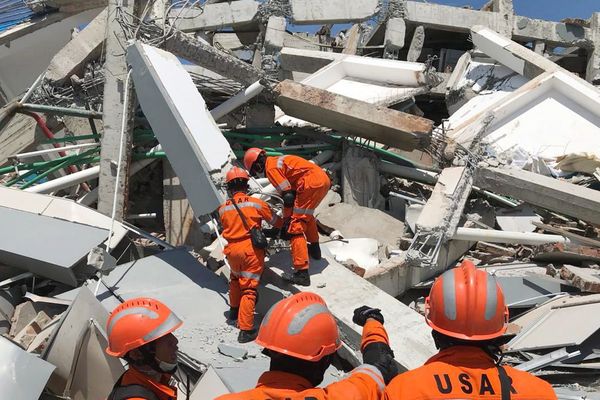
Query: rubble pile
x=447 y=133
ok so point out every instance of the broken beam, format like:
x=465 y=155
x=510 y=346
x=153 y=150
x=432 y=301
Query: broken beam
x=353 y=117
x=542 y=191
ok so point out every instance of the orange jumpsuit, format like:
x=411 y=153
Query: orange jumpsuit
x=311 y=184
x=464 y=372
x=161 y=389
x=364 y=383
x=246 y=261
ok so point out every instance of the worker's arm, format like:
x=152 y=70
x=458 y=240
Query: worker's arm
x=375 y=346
x=278 y=180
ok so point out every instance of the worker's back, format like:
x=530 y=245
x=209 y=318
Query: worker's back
x=292 y=168
x=274 y=385
x=465 y=372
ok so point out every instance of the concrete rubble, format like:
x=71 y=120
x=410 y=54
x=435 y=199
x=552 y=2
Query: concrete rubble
x=448 y=134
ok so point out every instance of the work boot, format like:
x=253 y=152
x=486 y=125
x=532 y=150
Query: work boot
x=314 y=251
x=301 y=278
x=233 y=313
x=247 y=336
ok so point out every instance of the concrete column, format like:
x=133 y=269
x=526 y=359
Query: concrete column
x=593 y=67
x=416 y=46
x=275 y=34
x=395 y=34
x=539 y=47
x=506 y=10
x=115 y=69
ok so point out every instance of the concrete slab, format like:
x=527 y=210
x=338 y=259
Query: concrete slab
x=51 y=257
x=353 y=117
x=209 y=387
x=343 y=291
x=216 y=16
x=198 y=150
x=315 y=12
x=395 y=34
x=518 y=219
x=24 y=375
x=275 y=34
x=362 y=222
x=542 y=191
x=307 y=61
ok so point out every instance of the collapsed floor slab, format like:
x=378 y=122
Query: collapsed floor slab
x=216 y=16
x=331 y=12
x=353 y=117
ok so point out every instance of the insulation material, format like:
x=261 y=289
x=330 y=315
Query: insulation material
x=362 y=251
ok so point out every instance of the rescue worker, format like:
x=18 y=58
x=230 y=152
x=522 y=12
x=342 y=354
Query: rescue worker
x=140 y=331
x=246 y=261
x=301 y=337
x=302 y=186
x=467 y=312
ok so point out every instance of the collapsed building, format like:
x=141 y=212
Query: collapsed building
x=448 y=133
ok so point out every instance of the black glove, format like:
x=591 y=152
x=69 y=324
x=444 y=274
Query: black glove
x=283 y=233
x=361 y=314
x=288 y=198
x=381 y=356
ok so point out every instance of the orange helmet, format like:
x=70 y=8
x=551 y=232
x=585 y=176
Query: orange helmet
x=137 y=322
x=467 y=303
x=251 y=156
x=300 y=326
x=236 y=173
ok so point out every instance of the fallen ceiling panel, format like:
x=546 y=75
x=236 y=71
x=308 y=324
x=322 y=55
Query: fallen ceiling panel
x=23 y=376
x=187 y=132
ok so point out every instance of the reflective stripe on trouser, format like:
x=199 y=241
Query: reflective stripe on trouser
x=247 y=265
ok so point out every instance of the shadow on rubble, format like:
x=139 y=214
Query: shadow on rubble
x=175 y=269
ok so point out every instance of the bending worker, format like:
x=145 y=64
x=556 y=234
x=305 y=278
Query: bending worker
x=301 y=337
x=246 y=260
x=467 y=312
x=302 y=185
x=140 y=331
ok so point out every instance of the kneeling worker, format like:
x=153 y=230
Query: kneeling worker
x=467 y=312
x=301 y=337
x=302 y=185
x=140 y=331
x=240 y=214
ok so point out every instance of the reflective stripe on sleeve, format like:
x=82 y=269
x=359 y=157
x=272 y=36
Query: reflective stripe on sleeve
x=304 y=211
x=283 y=186
x=373 y=372
x=245 y=204
x=280 y=161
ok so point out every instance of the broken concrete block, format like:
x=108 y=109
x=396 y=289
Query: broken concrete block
x=362 y=222
x=239 y=353
x=586 y=279
x=23 y=315
x=416 y=45
x=217 y=16
x=27 y=335
x=353 y=117
x=332 y=11
x=275 y=34
x=395 y=33
x=86 y=46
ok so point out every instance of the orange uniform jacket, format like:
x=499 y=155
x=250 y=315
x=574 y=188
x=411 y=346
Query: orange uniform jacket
x=285 y=172
x=464 y=372
x=162 y=390
x=364 y=383
x=253 y=209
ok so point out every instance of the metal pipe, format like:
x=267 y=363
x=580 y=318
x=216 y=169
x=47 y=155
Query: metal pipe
x=494 y=236
x=407 y=172
x=236 y=101
x=32 y=88
x=407 y=198
x=323 y=157
x=73 y=112
x=31 y=154
x=66 y=181
x=142 y=216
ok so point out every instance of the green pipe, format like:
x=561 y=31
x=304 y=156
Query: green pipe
x=72 y=138
x=63 y=164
